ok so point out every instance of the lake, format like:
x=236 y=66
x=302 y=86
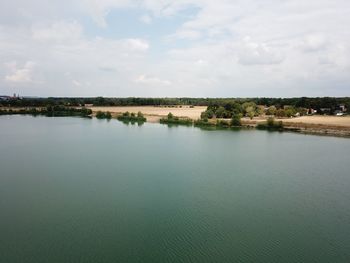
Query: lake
x=87 y=190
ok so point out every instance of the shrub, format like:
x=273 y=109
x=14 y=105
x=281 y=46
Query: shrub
x=127 y=117
x=236 y=120
x=171 y=119
x=270 y=124
x=207 y=114
x=103 y=115
x=203 y=123
x=222 y=123
x=100 y=115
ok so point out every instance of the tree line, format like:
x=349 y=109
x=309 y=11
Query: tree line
x=49 y=111
x=316 y=103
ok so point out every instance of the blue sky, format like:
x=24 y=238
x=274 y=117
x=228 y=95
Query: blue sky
x=163 y=48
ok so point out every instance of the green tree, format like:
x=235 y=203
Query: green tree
x=280 y=113
x=249 y=109
x=236 y=120
x=289 y=112
x=209 y=114
x=220 y=112
x=271 y=110
x=270 y=122
x=246 y=105
x=250 y=113
x=100 y=115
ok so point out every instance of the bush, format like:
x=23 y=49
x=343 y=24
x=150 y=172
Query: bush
x=127 y=117
x=222 y=123
x=171 y=119
x=236 y=120
x=51 y=111
x=103 y=115
x=86 y=111
x=271 y=110
x=280 y=113
x=203 y=123
x=208 y=114
x=170 y=116
x=270 y=124
x=219 y=113
x=100 y=115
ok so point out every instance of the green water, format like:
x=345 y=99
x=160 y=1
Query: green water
x=81 y=190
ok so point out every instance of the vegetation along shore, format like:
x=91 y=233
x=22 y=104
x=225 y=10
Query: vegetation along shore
x=328 y=116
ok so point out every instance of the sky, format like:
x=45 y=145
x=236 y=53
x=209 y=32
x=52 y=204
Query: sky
x=179 y=48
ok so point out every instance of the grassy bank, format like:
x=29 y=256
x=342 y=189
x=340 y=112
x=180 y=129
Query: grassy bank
x=50 y=111
x=127 y=117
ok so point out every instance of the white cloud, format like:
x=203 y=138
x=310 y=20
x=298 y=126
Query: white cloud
x=187 y=34
x=144 y=79
x=20 y=74
x=251 y=53
x=296 y=47
x=67 y=60
x=57 y=31
x=313 y=43
x=147 y=19
x=99 y=9
x=136 y=44
x=76 y=83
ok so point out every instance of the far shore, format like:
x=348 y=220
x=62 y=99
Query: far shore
x=153 y=113
x=313 y=124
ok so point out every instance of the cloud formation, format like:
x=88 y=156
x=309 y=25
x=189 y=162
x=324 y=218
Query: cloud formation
x=144 y=79
x=175 y=48
x=20 y=74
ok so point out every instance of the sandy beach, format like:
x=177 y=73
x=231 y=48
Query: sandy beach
x=153 y=114
x=323 y=125
x=194 y=113
x=324 y=120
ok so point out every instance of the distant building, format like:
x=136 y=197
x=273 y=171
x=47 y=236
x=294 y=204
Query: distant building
x=5 y=97
x=342 y=108
x=311 y=111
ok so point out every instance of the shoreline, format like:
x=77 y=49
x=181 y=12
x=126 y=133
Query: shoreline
x=305 y=125
x=314 y=124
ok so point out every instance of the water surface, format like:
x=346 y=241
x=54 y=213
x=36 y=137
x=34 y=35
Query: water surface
x=81 y=190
